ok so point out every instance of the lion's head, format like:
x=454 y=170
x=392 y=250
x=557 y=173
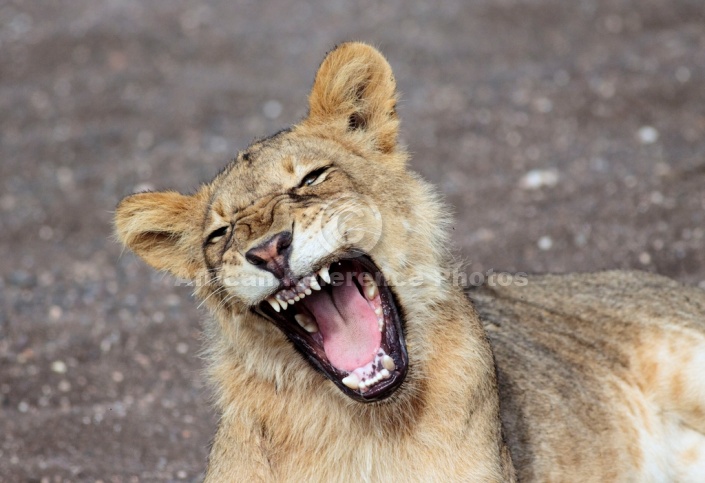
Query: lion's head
x=319 y=230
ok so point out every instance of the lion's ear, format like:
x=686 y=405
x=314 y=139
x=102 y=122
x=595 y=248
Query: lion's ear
x=354 y=95
x=162 y=228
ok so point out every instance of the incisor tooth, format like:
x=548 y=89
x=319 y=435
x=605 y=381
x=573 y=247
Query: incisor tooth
x=311 y=328
x=388 y=363
x=297 y=298
x=314 y=284
x=307 y=292
x=290 y=301
x=325 y=275
x=273 y=302
x=378 y=311
x=352 y=381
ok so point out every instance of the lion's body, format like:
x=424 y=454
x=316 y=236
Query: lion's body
x=601 y=376
x=598 y=375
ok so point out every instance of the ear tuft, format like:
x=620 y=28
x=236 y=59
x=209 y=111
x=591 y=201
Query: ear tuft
x=161 y=228
x=355 y=93
x=356 y=121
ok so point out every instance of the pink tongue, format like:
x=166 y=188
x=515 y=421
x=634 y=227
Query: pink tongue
x=351 y=336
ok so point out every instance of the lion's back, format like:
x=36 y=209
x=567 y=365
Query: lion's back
x=581 y=358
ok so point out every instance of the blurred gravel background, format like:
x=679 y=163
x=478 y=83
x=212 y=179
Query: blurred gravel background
x=567 y=135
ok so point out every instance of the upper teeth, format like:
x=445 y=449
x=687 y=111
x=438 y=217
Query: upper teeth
x=286 y=297
x=324 y=274
x=371 y=290
x=274 y=303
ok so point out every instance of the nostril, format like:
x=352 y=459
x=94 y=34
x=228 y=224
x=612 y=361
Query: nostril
x=284 y=241
x=254 y=259
x=270 y=250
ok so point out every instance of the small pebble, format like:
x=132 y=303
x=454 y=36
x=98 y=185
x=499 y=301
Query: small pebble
x=545 y=243
x=539 y=178
x=682 y=74
x=59 y=367
x=648 y=135
x=644 y=258
x=46 y=233
x=656 y=198
x=55 y=312
x=543 y=105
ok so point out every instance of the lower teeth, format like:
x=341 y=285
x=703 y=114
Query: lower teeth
x=367 y=376
x=308 y=324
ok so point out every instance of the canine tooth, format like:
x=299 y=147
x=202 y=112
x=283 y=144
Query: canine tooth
x=388 y=363
x=283 y=304
x=371 y=290
x=273 y=302
x=325 y=275
x=352 y=381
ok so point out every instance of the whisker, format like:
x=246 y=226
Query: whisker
x=218 y=291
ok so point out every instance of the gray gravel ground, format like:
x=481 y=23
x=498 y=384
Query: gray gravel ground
x=567 y=135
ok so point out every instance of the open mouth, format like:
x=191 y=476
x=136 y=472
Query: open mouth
x=345 y=321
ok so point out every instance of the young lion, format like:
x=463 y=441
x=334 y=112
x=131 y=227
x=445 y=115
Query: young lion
x=339 y=352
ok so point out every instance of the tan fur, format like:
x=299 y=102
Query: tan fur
x=598 y=373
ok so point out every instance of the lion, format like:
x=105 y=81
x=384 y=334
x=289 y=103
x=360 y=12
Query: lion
x=339 y=351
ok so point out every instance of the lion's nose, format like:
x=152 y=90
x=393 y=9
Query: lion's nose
x=272 y=254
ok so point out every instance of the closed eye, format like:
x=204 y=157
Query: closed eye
x=217 y=234
x=314 y=177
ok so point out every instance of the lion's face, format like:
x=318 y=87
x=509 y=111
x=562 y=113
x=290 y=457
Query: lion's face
x=291 y=234
x=311 y=229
